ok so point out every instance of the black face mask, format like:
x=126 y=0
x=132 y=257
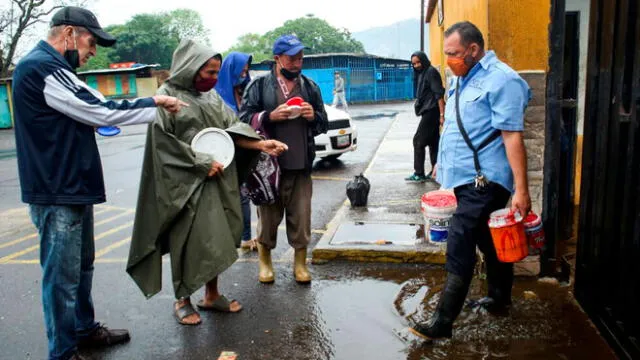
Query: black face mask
x=289 y=75
x=72 y=56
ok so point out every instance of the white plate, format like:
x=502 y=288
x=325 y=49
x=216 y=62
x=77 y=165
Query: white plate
x=295 y=111
x=215 y=142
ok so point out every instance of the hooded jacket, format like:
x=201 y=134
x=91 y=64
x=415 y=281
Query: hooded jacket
x=260 y=95
x=427 y=85
x=180 y=209
x=230 y=71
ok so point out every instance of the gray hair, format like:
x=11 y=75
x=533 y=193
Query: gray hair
x=55 y=31
x=469 y=33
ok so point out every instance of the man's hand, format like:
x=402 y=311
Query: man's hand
x=521 y=202
x=307 y=112
x=517 y=156
x=434 y=171
x=281 y=113
x=169 y=103
x=273 y=147
x=216 y=168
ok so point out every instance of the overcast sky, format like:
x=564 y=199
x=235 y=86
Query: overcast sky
x=227 y=20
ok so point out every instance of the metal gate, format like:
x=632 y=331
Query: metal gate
x=608 y=260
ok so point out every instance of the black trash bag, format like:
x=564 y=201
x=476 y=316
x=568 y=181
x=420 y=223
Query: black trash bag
x=358 y=190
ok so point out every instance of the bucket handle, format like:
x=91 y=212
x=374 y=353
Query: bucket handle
x=512 y=216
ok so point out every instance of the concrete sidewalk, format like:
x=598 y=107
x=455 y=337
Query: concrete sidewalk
x=390 y=228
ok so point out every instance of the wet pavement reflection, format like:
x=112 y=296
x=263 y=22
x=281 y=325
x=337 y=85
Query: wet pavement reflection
x=364 y=316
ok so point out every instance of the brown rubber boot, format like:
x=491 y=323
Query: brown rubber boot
x=264 y=263
x=300 y=266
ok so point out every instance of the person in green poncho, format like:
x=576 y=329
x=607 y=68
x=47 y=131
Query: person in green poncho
x=189 y=204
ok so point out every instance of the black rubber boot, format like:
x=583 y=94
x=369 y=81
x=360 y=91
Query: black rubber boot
x=448 y=309
x=499 y=283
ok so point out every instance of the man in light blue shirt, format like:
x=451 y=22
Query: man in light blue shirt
x=489 y=99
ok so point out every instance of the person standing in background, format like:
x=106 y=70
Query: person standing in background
x=429 y=106
x=233 y=78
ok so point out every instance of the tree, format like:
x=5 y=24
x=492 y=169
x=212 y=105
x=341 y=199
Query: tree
x=254 y=44
x=315 y=33
x=187 y=24
x=147 y=39
x=150 y=38
x=17 y=19
x=318 y=35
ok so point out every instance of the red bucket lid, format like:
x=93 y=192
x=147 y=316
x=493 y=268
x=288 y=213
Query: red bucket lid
x=439 y=199
x=532 y=219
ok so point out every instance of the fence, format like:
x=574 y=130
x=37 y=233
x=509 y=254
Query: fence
x=368 y=79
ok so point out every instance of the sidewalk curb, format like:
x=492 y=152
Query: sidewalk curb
x=324 y=252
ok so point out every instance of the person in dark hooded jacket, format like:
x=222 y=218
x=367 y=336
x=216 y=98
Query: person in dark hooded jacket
x=232 y=80
x=429 y=106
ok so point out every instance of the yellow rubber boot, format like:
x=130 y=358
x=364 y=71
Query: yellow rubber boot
x=300 y=266
x=264 y=263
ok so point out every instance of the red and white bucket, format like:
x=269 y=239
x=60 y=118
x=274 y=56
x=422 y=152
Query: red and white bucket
x=437 y=208
x=534 y=229
x=507 y=232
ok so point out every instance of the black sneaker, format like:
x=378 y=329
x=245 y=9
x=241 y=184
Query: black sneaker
x=102 y=336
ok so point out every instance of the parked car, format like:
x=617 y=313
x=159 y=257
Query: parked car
x=342 y=136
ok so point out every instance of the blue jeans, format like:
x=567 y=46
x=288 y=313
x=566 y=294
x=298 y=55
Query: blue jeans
x=66 y=255
x=245 y=202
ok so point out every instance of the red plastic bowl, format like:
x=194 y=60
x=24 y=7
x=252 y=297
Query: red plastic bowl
x=295 y=101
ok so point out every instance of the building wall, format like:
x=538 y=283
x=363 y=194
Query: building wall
x=518 y=32
x=146 y=86
x=454 y=11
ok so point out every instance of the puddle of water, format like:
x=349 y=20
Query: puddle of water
x=378 y=234
x=365 y=316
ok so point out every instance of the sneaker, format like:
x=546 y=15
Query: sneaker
x=416 y=178
x=429 y=176
x=102 y=336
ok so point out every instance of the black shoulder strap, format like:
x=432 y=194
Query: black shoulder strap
x=494 y=135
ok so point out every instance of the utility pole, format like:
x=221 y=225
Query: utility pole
x=421 y=25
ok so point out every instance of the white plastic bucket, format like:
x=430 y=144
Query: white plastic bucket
x=437 y=208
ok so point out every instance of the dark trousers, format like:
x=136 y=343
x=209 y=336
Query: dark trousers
x=294 y=205
x=245 y=204
x=469 y=228
x=428 y=134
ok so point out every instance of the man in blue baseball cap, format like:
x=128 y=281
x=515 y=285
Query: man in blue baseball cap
x=265 y=100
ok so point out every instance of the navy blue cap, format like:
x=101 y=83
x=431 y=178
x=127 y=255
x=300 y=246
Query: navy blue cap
x=287 y=45
x=73 y=15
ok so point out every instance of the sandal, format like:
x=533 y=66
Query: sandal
x=182 y=312
x=221 y=304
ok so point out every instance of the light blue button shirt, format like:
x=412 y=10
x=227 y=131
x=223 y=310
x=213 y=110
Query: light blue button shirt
x=492 y=96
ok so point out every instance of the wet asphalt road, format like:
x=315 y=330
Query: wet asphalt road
x=266 y=326
x=350 y=311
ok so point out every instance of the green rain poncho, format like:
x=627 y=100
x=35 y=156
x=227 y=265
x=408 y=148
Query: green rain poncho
x=180 y=211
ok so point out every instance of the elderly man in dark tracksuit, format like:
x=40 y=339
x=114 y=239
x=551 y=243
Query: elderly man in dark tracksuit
x=61 y=174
